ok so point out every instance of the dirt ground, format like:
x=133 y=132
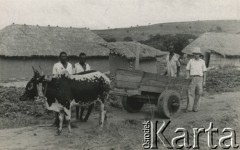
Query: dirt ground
x=124 y=130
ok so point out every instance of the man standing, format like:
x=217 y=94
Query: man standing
x=59 y=68
x=196 y=71
x=172 y=63
x=82 y=66
x=62 y=66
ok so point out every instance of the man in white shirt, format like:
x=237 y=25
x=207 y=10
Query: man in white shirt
x=172 y=63
x=82 y=66
x=62 y=67
x=59 y=68
x=196 y=71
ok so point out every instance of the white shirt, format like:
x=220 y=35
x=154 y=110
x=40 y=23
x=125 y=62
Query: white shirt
x=196 y=67
x=172 y=65
x=59 y=69
x=79 y=68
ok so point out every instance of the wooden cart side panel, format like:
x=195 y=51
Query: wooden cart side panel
x=128 y=79
x=127 y=84
x=123 y=92
x=159 y=83
x=120 y=77
x=153 y=89
x=149 y=82
x=164 y=82
x=129 y=72
x=160 y=89
x=165 y=79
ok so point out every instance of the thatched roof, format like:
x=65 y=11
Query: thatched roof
x=28 y=40
x=128 y=50
x=225 y=44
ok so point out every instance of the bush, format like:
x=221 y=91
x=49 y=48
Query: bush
x=223 y=80
x=127 y=39
x=218 y=29
x=163 y=41
x=110 y=39
x=16 y=113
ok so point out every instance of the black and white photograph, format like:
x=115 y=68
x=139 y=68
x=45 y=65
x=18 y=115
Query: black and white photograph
x=119 y=74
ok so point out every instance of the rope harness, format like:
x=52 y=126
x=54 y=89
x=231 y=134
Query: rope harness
x=41 y=95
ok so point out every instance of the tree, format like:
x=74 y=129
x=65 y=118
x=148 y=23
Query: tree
x=162 y=42
x=218 y=29
x=110 y=39
x=128 y=39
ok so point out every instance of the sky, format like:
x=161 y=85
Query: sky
x=101 y=14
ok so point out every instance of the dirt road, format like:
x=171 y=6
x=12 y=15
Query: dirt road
x=124 y=130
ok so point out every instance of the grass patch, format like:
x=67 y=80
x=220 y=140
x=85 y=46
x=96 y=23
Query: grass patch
x=223 y=80
x=15 y=113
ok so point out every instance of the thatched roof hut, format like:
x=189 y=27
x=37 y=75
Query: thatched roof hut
x=220 y=49
x=225 y=44
x=28 y=40
x=123 y=56
x=128 y=50
x=23 y=46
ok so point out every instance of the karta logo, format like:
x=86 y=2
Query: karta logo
x=152 y=134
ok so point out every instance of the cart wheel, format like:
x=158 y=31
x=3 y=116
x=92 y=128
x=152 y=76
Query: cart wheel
x=168 y=103
x=131 y=104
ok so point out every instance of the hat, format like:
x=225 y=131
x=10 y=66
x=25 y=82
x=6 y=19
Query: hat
x=196 y=50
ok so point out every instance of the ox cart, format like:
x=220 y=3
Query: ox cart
x=138 y=88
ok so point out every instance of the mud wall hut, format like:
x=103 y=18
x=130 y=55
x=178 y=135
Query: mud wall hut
x=123 y=56
x=219 y=49
x=23 y=46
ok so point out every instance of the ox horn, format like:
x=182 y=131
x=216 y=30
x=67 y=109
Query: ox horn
x=33 y=69
x=42 y=73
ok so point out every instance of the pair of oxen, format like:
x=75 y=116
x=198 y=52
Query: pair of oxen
x=62 y=93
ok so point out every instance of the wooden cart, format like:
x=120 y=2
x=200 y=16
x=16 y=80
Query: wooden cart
x=138 y=88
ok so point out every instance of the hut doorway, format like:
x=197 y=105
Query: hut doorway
x=207 y=59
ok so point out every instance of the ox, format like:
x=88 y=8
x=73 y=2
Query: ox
x=61 y=93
